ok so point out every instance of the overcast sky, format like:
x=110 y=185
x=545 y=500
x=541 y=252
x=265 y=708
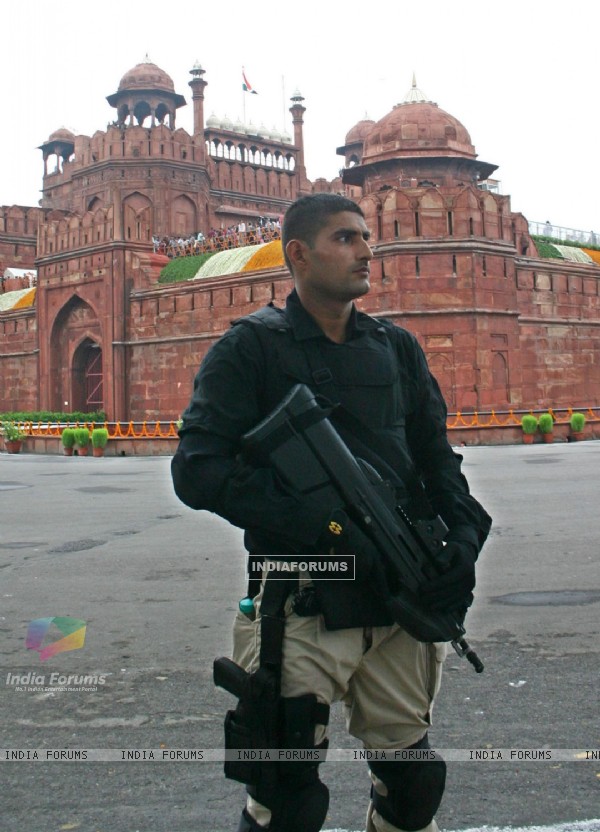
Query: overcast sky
x=522 y=76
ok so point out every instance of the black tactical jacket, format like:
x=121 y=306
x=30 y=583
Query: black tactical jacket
x=379 y=375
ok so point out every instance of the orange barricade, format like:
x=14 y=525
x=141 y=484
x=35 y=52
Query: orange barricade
x=512 y=418
x=168 y=429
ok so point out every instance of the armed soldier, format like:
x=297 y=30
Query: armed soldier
x=335 y=640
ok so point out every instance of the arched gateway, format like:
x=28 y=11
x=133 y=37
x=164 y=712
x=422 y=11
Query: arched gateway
x=86 y=377
x=76 y=358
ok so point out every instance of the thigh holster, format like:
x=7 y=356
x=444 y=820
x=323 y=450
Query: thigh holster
x=269 y=739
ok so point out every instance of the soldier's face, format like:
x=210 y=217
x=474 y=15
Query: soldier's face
x=338 y=264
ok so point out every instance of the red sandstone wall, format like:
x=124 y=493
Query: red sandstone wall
x=527 y=339
x=19 y=380
x=175 y=327
x=559 y=306
x=463 y=312
x=18 y=234
x=483 y=355
x=500 y=331
x=18 y=255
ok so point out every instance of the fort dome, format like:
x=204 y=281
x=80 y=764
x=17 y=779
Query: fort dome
x=146 y=90
x=360 y=130
x=417 y=140
x=417 y=128
x=62 y=133
x=61 y=141
x=146 y=76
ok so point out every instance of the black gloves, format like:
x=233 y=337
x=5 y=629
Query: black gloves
x=453 y=590
x=344 y=537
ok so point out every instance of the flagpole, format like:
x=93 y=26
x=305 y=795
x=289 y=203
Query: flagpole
x=283 y=102
x=243 y=101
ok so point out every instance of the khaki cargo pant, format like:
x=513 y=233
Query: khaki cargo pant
x=386 y=679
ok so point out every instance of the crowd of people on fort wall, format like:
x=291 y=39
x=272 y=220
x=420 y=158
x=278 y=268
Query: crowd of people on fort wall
x=219 y=239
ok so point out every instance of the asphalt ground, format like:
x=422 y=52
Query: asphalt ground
x=106 y=541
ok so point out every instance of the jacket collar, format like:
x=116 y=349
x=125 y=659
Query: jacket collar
x=304 y=326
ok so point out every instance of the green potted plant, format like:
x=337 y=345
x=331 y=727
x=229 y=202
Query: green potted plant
x=99 y=440
x=529 y=423
x=82 y=440
x=13 y=437
x=67 y=438
x=576 y=424
x=546 y=427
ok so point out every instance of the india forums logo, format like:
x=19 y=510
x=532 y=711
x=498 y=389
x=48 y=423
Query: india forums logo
x=73 y=630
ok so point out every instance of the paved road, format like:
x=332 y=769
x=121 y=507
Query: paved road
x=106 y=541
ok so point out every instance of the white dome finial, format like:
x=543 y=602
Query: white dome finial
x=414 y=95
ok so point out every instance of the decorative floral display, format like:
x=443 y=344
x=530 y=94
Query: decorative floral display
x=572 y=252
x=227 y=262
x=20 y=299
x=594 y=254
x=575 y=255
x=27 y=300
x=268 y=256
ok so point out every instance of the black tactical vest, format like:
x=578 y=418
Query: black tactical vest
x=366 y=376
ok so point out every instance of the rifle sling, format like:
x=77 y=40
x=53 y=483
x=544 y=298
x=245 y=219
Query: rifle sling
x=272 y=619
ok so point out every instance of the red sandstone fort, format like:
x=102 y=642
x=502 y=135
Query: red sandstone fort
x=502 y=327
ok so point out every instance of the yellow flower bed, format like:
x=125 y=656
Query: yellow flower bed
x=17 y=299
x=26 y=300
x=269 y=256
x=595 y=255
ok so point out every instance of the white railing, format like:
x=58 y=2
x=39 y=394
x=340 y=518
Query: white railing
x=559 y=232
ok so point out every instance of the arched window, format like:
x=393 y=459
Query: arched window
x=141 y=112
x=500 y=375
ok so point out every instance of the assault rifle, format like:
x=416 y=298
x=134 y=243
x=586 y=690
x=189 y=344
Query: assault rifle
x=298 y=440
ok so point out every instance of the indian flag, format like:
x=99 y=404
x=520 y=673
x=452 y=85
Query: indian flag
x=246 y=84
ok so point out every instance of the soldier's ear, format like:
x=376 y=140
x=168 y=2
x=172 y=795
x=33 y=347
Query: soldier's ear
x=296 y=252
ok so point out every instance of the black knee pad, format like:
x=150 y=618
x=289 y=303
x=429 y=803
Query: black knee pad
x=415 y=787
x=299 y=801
x=301 y=810
x=294 y=808
x=248 y=824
